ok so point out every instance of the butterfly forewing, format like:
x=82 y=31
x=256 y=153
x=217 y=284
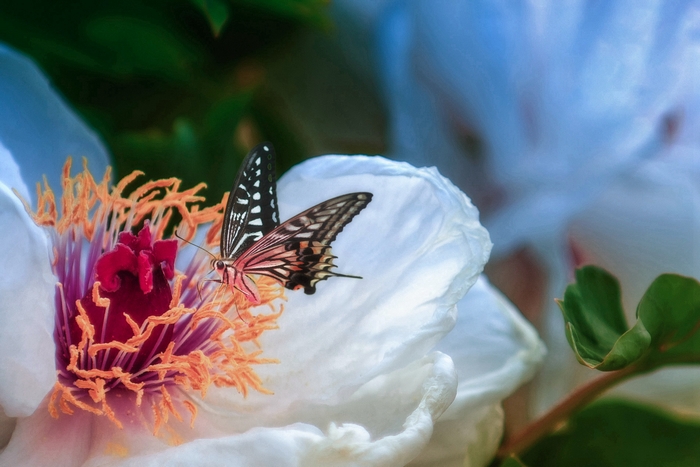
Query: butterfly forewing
x=251 y=210
x=298 y=252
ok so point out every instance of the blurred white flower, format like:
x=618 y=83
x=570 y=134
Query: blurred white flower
x=365 y=368
x=38 y=129
x=587 y=116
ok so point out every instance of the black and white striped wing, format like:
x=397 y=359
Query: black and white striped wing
x=298 y=252
x=251 y=210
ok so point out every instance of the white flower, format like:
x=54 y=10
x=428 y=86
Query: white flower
x=363 y=372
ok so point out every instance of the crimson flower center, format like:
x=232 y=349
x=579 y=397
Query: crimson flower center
x=134 y=277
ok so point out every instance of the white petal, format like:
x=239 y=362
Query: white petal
x=495 y=350
x=392 y=415
x=386 y=422
x=418 y=246
x=40 y=440
x=38 y=127
x=406 y=402
x=27 y=353
x=9 y=173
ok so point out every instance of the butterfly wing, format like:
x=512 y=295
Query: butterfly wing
x=251 y=210
x=298 y=252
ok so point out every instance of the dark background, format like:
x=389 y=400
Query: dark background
x=185 y=88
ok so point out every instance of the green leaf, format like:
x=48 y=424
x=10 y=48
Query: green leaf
x=668 y=318
x=595 y=322
x=670 y=309
x=513 y=461
x=618 y=434
x=216 y=11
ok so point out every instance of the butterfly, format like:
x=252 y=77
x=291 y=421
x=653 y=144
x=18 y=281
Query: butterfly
x=297 y=252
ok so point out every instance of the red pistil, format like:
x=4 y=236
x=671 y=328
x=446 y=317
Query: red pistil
x=134 y=276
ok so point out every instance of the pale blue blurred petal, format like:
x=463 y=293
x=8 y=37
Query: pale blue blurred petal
x=38 y=127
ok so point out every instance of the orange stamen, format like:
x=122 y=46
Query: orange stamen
x=96 y=211
x=192 y=409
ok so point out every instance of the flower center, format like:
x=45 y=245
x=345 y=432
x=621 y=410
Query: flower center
x=126 y=320
x=134 y=278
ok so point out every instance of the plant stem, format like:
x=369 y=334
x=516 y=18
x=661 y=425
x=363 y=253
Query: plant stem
x=560 y=412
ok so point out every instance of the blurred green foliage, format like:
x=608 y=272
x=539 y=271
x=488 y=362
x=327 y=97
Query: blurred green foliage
x=619 y=434
x=174 y=87
x=512 y=462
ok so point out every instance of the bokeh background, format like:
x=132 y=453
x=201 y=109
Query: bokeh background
x=185 y=88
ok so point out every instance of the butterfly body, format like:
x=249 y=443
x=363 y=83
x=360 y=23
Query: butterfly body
x=237 y=280
x=297 y=253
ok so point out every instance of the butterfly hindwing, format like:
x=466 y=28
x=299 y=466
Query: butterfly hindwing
x=251 y=210
x=298 y=252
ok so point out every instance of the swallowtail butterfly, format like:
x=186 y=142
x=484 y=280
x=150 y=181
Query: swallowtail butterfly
x=296 y=252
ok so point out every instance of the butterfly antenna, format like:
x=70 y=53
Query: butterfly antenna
x=196 y=246
x=346 y=275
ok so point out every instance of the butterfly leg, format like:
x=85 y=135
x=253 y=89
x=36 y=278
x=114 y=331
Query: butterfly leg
x=246 y=286
x=199 y=285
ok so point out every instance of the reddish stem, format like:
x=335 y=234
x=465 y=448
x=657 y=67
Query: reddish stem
x=560 y=412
